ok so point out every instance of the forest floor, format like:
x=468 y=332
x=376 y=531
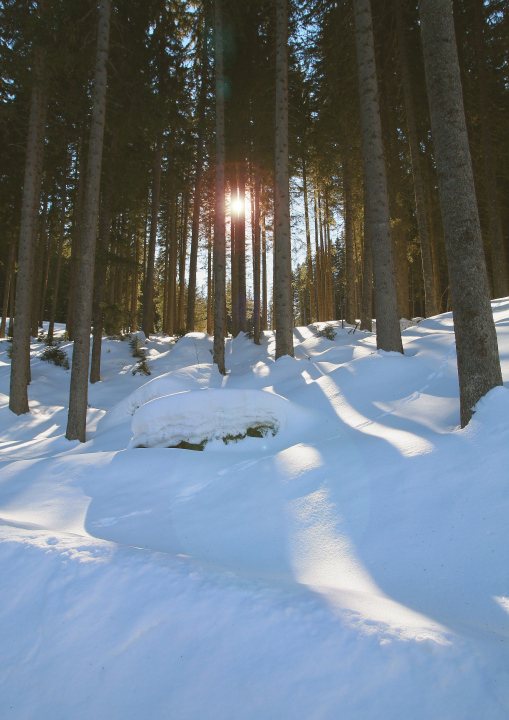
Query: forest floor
x=353 y=565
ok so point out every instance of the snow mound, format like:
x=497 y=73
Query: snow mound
x=192 y=349
x=189 y=378
x=198 y=416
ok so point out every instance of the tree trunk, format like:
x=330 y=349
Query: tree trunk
x=210 y=324
x=367 y=279
x=172 y=273
x=318 y=285
x=264 y=274
x=422 y=217
x=219 y=220
x=182 y=261
x=234 y=223
x=476 y=339
x=498 y=259
x=148 y=293
x=240 y=246
x=283 y=248
x=20 y=365
x=309 y=257
x=8 y=287
x=78 y=396
x=193 y=258
x=37 y=274
x=349 y=240
x=101 y=270
x=386 y=301
x=59 y=265
x=166 y=283
x=256 y=258
x=134 y=304
x=45 y=275
x=10 y=329
x=76 y=244
x=328 y=274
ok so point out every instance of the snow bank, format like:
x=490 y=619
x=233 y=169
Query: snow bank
x=202 y=416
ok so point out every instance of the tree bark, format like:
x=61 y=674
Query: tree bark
x=349 y=242
x=182 y=261
x=318 y=284
x=219 y=220
x=9 y=275
x=309 y=257
x=210 y=325
x=148 y=293
x=172 y=272
x=76 y=244
x=101 y=270
x=367 y=278
x=420 y=203
x=388 y=333
x=20 y=365
x=498 y=259
x=8 y=287
x=45 y=275
x=476 y=340
x=10 y=329
x=59 y=265
x=264 y=273
x=37 y=274
x=234 y=223
x=283 y=248
x=240 y=247
x=193 y=258
x=78 y=396
x=256 y=258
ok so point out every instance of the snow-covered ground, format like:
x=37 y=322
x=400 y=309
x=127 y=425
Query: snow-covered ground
x=351 y=561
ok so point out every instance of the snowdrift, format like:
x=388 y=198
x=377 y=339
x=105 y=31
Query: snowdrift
x=200 y=417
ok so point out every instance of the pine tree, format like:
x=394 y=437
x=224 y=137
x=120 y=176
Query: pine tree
x=388 y=331
x=219 y=221
x=78 y=396
x=283 y=255
x=476 y=340
x=20 y=366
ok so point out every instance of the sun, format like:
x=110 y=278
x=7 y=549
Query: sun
x=237 y=206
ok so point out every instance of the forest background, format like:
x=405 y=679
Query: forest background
x=153 y=265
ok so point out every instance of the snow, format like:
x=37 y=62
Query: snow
x=196 y=417
x=355 y=564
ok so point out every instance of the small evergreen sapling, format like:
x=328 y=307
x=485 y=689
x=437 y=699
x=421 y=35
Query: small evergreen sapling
x=138 y=351
x=328 y=331
x=54 y=354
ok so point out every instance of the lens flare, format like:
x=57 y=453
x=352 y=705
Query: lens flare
x=237 y=206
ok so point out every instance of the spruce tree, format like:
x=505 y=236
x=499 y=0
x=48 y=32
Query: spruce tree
x=476 y=340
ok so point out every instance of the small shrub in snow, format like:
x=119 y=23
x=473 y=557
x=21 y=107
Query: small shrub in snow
x=142 y=367
x=138 y=351
x=257 y=431
x=328 y=331
x=9 y=348
x=54 y=354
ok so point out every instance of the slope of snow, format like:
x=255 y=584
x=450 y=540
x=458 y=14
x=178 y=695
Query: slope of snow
x=353 y=565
